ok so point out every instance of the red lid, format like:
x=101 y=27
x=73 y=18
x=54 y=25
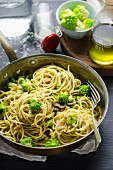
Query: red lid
x=50 y=43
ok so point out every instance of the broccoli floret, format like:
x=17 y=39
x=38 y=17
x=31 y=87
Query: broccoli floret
x=10 y=85
x=35 y=105
x=80 y=26
x=52 y=143
x=58 y=86
x=54 y=96
x=62 y=98
x=61 y=75
x=65 y=13
x=71 y=120
x=26 y=85
x=26 y=141
x=84 y=90
x=78 y=98
x=68 y=19
x=87 y=23
x=81 y=12
x=70 y=99
x=50 y=123
x=2 y=109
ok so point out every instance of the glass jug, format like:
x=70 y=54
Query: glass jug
x=101 y=46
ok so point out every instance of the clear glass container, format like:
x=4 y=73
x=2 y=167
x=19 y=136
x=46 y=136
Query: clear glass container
x=101 y=46
x=43 y=21
x=15 y=16
x=11 y=3
x=43 y=27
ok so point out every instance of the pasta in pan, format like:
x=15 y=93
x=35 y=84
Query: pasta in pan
x=47 y=106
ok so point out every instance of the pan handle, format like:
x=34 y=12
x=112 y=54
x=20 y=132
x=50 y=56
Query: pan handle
x=7 y=47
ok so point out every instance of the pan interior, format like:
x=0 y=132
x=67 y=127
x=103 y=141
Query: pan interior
x=29 y=64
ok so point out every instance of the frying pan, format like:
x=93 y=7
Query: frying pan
x=29 y=65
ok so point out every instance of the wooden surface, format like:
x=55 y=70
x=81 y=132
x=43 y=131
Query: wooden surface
x=79 y=49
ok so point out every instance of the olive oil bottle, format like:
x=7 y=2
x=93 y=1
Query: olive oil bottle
x=101 y=46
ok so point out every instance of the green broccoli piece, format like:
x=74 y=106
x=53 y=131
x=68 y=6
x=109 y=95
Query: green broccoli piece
x=71 y=120
x=78 y=98
x=81 y=12
x=84 y=90
x=68 y=19
x=61 y=75
x=52 y=143
x=70 y=99
x=88 y=23
x=80 y=26
x=10 y=85
x=50 y=123
x=26 y=85
x=35 y=105
x=65 y=12
x=26 y=141
x=58 y=86
x=63 y=98
x=2 y=109
x=54 y=96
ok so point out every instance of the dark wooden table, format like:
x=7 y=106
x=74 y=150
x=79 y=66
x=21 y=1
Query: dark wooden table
x=102 y=159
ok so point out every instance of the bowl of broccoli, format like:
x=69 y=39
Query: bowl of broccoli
x=76 y=18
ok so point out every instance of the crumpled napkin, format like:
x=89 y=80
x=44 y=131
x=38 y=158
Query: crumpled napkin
x=86 y=148
x=8 y=150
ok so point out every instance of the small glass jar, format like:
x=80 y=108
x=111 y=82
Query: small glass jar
x=101 y=47
x=43 y=26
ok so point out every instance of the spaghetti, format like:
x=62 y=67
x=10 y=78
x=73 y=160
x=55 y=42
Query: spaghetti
x=67 y=122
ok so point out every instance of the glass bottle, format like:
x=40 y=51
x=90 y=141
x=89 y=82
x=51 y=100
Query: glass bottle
x=43 y=26
x=101 y=46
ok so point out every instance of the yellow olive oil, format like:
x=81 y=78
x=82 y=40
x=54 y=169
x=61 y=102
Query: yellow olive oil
x=101 y=47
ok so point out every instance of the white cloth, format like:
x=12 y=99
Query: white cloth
x=86 y=148
x=8 y=150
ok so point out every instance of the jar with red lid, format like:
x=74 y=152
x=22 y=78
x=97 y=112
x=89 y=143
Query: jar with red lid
x=43 y=27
